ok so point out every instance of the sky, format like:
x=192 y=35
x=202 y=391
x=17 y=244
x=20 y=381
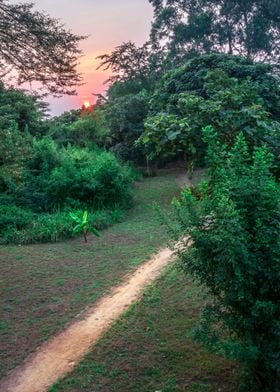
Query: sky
x=109 y=23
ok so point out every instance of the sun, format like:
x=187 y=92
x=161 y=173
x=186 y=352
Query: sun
x=87 y=104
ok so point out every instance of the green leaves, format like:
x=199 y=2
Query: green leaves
x=230 y=93
x=84 y=226
x=234 y=224
x=248 y=28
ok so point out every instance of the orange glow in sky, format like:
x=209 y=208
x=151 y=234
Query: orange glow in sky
x=87 y=104
x=108 y=24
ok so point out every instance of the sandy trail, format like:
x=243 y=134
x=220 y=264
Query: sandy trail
x=59 y=355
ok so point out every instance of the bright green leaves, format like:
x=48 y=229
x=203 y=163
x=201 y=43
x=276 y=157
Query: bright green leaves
x=83 y=225
x=230 y=93
x=234 y=224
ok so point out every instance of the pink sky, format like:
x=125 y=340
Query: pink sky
x=109 y=23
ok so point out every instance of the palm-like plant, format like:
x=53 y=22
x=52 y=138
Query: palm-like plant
x=83 y=225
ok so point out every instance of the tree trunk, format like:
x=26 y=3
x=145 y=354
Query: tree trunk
x=229 y=36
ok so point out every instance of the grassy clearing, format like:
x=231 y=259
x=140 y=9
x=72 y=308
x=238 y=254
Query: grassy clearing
x=42 y=287
x=151 y=349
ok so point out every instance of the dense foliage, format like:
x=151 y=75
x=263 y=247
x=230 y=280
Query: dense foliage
x=125 y=116
x=231 y=229
x=80 y=128
x=74 y=177
x=249 y=28
x=51 y=167
x=232 y=93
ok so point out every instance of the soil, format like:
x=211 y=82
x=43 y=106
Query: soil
x=58 y=356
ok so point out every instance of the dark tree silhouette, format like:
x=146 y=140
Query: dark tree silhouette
x=127 y=61
x=36 y=47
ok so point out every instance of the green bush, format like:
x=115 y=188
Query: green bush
x=76 y=178
x=14 y=218
x=232 y=225
x=54 y=181
x=80 y=129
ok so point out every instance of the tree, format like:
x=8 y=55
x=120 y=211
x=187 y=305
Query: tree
x=21 y=118
x=127 y=62
x=80 y=128
x=38 y=48
x=232 y=232
x=231 y=93
x=130 y=63
x=125 y=116
x=27 y=111
x=248 y=28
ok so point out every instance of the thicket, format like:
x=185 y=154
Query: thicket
x=231 y=245
x=44 y=177
x=229 y=92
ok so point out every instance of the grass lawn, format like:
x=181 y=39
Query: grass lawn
x=151 y=349
x=42 y=287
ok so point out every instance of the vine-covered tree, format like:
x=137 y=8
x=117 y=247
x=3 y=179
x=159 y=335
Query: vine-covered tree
x=249 y=28
x=36 y=47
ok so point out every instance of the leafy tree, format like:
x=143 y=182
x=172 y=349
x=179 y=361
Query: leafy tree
x=21 y=117
x=231 y=93
x=191 y=78
x=141 y=66
x=15 y=149
x=125 y=115
x=81 y=129
x=91 y=129
x=38 y=48
x=232 y=235
x=127 y=62
x=248 y=28
x=169 y=136
x=28 y=112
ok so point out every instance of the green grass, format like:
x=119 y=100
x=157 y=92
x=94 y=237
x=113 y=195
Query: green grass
x=151 y=347
x=44 y=286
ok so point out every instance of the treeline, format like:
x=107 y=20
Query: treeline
x=49 y=168
x=206 y=62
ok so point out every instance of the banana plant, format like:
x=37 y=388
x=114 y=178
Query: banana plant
x=83 y=226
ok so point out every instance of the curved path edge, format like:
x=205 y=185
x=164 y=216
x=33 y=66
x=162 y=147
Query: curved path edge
x=58 y=356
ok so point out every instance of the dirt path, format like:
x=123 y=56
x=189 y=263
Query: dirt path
x=58 y=356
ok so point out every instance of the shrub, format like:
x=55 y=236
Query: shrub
x=14 y=218
x=76 y=178
x=58 y=180
x=234 y=246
